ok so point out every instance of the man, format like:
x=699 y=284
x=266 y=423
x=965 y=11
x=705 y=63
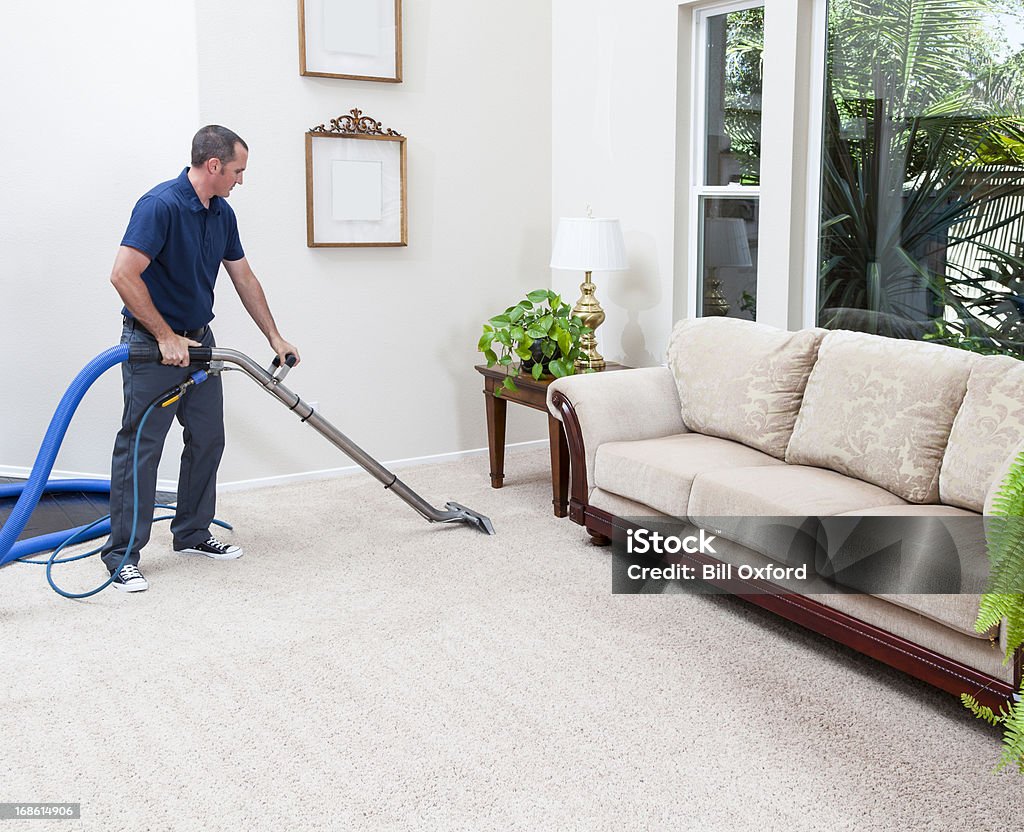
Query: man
x=178 y=236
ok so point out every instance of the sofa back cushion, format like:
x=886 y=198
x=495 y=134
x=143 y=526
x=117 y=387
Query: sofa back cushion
x=1002 y=472
x=988 y=426
x=740 y=380
x=881 y=409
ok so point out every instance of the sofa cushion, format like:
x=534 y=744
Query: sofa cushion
x=786 y=490
x=1002 y=472
x=741 y=380
x=881 y=409
x=906 y=550
x=774 y=510
x=919 y=629
x=620 y=506
x=943 y=542
x=659 y=472
x=989 y=424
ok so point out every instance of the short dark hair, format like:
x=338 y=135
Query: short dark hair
x=215 y=142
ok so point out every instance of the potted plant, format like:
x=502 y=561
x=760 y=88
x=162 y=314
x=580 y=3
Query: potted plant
x=1004 y=533
x=540 y=331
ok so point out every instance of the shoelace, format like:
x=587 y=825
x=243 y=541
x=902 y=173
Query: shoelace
x=130 y=572
x=213 y=543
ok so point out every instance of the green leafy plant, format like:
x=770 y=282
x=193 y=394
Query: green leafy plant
x=1004 y=532
x=743 y=81
x=540 y=331
x=941 y=333
x=748 y=303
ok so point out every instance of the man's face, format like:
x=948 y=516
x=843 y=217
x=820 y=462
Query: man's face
x=229 y=174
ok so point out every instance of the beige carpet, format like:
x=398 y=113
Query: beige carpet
x=361 y=669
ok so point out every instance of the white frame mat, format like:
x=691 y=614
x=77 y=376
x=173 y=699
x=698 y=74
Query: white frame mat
x=359 y=39
x=324 y=151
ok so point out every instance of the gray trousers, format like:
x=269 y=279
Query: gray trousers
x=201 y=414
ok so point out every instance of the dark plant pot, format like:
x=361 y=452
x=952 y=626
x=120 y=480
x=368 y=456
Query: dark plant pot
x=538 y=357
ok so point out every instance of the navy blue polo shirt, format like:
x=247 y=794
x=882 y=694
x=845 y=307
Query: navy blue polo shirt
x=186 y=244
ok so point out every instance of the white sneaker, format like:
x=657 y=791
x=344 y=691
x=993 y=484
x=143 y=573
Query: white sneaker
x=213 y=548
x=129 y=579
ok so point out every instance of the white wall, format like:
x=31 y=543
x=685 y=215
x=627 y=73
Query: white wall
x=388 y=336
x=614 y=146
x=99 y=99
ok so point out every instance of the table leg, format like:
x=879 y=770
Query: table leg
x=496 y=409
x=559 y=466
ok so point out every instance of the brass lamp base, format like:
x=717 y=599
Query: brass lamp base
x=715 y=304
x=589 y=310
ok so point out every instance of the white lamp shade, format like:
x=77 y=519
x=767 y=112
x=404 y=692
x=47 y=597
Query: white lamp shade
x=725 y=243
x=587 y=244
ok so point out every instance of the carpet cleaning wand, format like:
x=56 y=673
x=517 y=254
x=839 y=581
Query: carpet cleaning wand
x=270 y=380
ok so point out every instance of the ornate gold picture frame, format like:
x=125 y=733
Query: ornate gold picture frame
x=355 y=184
x=359 y=39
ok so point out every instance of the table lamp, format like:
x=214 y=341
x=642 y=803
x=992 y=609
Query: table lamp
x=725 y=246
x=589 y=244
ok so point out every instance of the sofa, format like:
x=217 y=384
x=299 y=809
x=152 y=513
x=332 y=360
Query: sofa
x=801 y=447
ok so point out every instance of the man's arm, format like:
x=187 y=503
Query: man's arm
x=255 y=303
x=126 y=278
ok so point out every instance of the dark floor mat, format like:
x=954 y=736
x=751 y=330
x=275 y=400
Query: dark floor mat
x=57 y=512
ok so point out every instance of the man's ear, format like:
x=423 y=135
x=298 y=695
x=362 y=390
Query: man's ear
x=212 y=165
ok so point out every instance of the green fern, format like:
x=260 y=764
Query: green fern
x=994 y=607
x=1004 y=601
x=1013 y=738
x=981 y=711
x=1004 y=532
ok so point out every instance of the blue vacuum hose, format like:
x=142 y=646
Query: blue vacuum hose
x=37 y=484
x=33 y=489
x=46 y=542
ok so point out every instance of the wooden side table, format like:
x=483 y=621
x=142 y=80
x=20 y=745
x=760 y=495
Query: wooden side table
x=533 y=394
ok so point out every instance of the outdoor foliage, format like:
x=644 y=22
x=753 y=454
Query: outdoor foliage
x=744 y=70
x=922 y=202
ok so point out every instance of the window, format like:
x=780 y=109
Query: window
x=726 y=194
x=922 y=172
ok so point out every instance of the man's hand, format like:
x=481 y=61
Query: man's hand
x=174 y=350
x=283 y=349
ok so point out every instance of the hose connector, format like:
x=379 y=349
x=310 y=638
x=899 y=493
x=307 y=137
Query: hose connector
x=198 y=377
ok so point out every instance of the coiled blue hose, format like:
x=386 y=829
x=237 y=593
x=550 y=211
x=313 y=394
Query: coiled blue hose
x=10 y=548
x=83 y=486
x=69 y=402
x=131 y=538
x=46 y=542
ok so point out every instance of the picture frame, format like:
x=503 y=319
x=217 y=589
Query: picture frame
x=358 y=39
x=355 y=184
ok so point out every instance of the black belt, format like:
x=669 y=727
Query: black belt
x=194 y=334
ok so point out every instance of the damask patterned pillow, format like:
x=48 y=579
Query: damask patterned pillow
x=881 y=409
x=741 y=380
x=1002 y=472
x=989 y=424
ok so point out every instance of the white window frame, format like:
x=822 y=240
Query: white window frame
x=791 y=143
x=698 y=163
x=815 y=101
